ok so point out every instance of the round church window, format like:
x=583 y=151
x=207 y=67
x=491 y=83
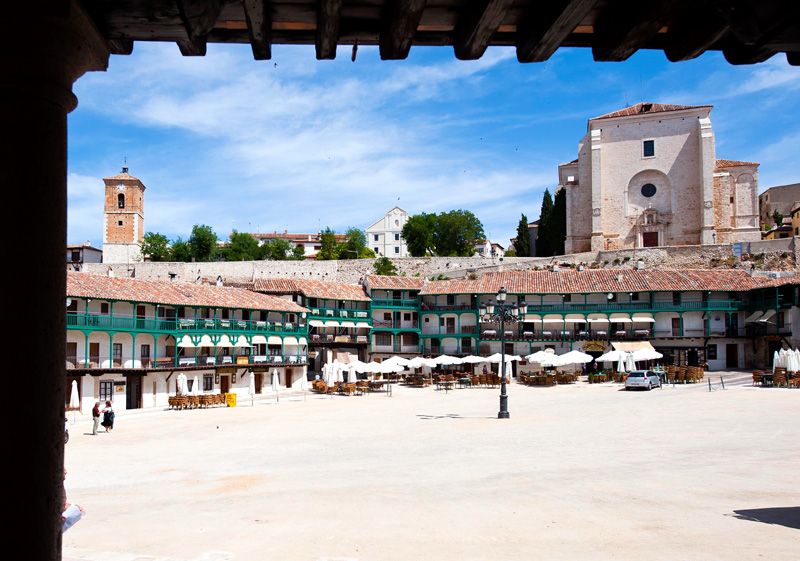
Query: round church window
x=648 y=190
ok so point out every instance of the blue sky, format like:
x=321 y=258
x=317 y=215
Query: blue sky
x=299 y=144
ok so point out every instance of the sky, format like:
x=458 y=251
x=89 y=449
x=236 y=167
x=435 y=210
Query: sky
x=299 y=144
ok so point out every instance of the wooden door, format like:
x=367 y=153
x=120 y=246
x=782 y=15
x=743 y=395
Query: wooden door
x=72 y=353
x=133 y=392
x=224 y=384
x=287 y=377
x=94 y=353
x=140 y=314
x=259 y=381
x=650 y=239
x=731 y=355
x=676 y=327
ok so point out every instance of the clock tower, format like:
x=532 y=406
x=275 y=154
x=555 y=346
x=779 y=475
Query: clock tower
x=123 y=230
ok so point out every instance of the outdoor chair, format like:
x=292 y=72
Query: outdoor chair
x=348 y=389
x=757 y=378
x=779 y=379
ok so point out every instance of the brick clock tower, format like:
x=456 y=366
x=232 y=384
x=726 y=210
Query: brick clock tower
x=123 y=230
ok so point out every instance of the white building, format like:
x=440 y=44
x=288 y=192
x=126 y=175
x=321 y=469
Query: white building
x=384 y=237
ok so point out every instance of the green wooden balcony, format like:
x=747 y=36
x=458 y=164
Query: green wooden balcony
x=340 y=313
x=393 y=303
x=162 y=325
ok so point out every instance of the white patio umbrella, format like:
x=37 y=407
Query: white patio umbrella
x=276 y=384
x=397 y=360
x=776 y=361
x=546 y=354
x=339 y=368
x=473 y=359
x=621 y=362
x=252 y=388
x=630 y=362
x=195 y=387
x=74 y=399
x=610 y=356
x=391 y=368
x=573 y=357
x=646 y=354
x=352 y=375
x=446 y=360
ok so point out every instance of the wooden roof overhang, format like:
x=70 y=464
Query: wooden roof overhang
x=746 y=31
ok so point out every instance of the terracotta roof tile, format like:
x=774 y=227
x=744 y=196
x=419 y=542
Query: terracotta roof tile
x=394 y=283
x=312 y=289
x=732 y=164
x=588 y=281
x=84 y=285
x=646 y=108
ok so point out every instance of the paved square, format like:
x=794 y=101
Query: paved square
x=578 y=472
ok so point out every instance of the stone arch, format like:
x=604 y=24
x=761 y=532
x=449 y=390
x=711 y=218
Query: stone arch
x=745 y=206
x=649 y=188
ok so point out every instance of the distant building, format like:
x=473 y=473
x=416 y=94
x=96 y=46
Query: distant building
x=384 y=236
x=647 y=175
x=781 y=198
x=123 y=230
x=796 y=219
x=486 y=248
x=77 y=255
x=785 y=230
x=311 y=243
x=533 y=234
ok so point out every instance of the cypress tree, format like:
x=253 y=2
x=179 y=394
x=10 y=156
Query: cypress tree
x=558 y=222
x=522 y=245
x=544 y=245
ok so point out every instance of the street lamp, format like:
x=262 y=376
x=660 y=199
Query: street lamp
x=502 y=312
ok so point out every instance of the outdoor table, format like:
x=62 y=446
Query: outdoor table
x=378 y=385
x=767 y=378
x=446 y=385
x=464 y=382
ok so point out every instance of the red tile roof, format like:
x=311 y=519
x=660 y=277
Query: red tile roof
x=83 y=285
x=588 y=281
x=646 y=108
x=312 y=289
x=732 y=164
x=382 y=282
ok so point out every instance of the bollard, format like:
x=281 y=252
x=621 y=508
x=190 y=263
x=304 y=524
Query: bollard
x=721 y=381
x=709 y=384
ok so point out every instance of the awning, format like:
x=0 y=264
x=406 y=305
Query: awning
x=224 y=341
x=348 y=324
x=274 y=340
x=575 y=318
x=290 y=341
x=186 y=343
x=242 y=342
x=316 y=323
x=644 y=318
x=753 y=317
x=331 y=323
x=363 y=325
x=598 y=318
x=767 y=316
x=533 y=318
x=620 y=318
x=259 y=340
x=205 y=341
x=553 y=319
x=630 y=346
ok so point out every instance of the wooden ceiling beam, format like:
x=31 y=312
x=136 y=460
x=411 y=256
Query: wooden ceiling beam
x=120 y=46
x=793 y=58
x=692 y=35
x=743 y=54
x=329 y=18
x=476 y=26
x=198 y=18
x=400 y=21
x=544 y=28
x=625 y=26
x=258 y=15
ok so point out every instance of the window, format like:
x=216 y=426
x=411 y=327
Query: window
x=376 y=250
x=397 y=237
x=779 y=320
x=635 y=296
x=676 y=298
x=117 y=350
x=76 y=255
x=396 y=249
x=648 y=148
x=466 y=345
x=387 y=316
x=375 y=237
x=407 y=317
x=208 y=382
x=711 y=352
x=73 y=307
x=567 y=297
x=145 y=352
x=383 y=339
x=106 y=390
x=119 y=222
x=120 y=201
x=451 y=300
x=104 y=308
x=648 y=190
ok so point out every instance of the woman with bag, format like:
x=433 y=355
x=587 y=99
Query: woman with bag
x=108 y=417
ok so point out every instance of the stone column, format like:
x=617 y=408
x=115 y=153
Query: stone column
x=598 y=240
x=707 y=164
x=45 y=48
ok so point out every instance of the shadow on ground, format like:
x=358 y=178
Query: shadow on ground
x=451 y=416
x=788 y=516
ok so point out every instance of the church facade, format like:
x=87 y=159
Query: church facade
x=648 y=176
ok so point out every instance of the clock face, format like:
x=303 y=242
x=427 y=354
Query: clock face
x=120 y=187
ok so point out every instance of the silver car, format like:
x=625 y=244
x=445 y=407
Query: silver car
x=646 y=379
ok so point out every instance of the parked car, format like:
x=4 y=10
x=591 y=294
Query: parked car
x=646 y=379
x=66 y=430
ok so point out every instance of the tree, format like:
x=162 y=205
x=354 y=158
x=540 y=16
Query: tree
x=298 y=253
x=418 y=234
x=777 y=217
x=277 y=249
x=544 y=246
x=180 y=251
x=242 y=247
x=384 y=266
x=328 y=249
x=366 y=253
x=156 y=247
x=558 y=222
x=511 y=252
x=203 y=242
x=354 y=245
x=456 y=232
x=522 y=245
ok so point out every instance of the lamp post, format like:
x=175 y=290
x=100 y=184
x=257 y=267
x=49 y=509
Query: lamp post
x=502 y=313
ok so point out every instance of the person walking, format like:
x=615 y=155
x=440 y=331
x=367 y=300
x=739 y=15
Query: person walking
x=108 y=417
x=96 y=417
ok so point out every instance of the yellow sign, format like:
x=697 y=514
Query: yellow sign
x=230 y=399
x=597 y=346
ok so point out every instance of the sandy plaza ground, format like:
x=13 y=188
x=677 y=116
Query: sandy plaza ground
x=578 y=472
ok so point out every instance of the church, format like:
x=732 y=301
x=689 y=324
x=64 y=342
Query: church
x=648 y=176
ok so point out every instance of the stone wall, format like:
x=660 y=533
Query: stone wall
x=776 y=255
